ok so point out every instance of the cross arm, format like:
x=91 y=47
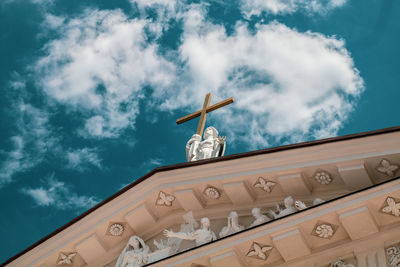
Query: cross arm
x=209 y=109
x=188 y=117
x=220 y=104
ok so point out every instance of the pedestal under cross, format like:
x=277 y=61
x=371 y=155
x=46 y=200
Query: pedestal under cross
x=203 y=112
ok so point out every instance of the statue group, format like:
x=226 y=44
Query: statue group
x=212 y=146
x=137 y=253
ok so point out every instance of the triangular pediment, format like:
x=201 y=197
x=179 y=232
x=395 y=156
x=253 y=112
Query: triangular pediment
x=338 y=171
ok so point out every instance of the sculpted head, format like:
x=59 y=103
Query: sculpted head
x=288 y=202
x=256 y=212
x=210 y=132
x=134 y=242
x=205 y=222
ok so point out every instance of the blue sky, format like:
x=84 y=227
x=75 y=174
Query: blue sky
x=91 y=89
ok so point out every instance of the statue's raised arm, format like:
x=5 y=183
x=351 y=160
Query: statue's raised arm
x=200 y=236
x=180 y=235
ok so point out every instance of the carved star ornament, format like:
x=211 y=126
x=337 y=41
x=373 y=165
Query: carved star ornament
x=391 y=207
x=165 y=199
x=264 y=184
x=259 y=251
x=65 y=258
x=387 y=168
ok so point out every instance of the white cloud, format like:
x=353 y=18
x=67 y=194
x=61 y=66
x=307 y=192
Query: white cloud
x=287 y=84
x=256 y=7
x=99 y=67
x=40 y=195
x=79 y=159
x=152 y=163
x=30 y=144
x=156 y=161
x=164 y=10
x=43 y=3
x=163 y=7
x=58 y=195
x=53 y=22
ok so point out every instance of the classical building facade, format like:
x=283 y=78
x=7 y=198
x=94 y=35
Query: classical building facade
x=332 y=202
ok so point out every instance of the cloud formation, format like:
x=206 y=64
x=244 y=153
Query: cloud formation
x=81 y=159
x=30 y=144
x=99 y=67
x=257 y=7
x=58 y=195
x=289 y=85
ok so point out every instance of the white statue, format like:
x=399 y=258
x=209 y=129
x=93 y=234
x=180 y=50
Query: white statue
x=174 y=243
x=200 y=236
x=259 y=217
x=212 y=146
x=190 y=223
x=300 y=205
x=134 y=254
x=317 y=201
x=233 y=225
x=289 y=208
x=162 y=244
x=340 y=263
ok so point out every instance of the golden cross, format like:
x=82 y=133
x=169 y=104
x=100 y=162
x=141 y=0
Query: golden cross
x=203 y=112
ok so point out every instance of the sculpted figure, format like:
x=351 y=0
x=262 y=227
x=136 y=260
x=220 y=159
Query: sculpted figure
x=233 y=225
x=212 y=146
x=289 y=208
x=200 y=236
x=259 y=217
x=318 y=201
x=300 y=205
x=190 y=223
x=340 y=263
x=161 y=244
x=134 y=254
x=174 y=243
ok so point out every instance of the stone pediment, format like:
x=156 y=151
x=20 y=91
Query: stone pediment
x=355 y=176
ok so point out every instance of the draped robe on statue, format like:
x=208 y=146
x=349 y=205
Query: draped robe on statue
x=212 y=146
x=134 y=254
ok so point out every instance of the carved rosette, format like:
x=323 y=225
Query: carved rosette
x=386 y=167
x=323 y=177
x=212 y=192
x=259 y=251
x=164 y=199
x=115 y=228
x=391 y=206
x=393 y=255
x=324 y=230
x=66 y=258
x=264 y=184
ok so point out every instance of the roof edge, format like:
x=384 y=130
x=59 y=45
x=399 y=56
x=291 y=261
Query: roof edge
x=197 y=163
